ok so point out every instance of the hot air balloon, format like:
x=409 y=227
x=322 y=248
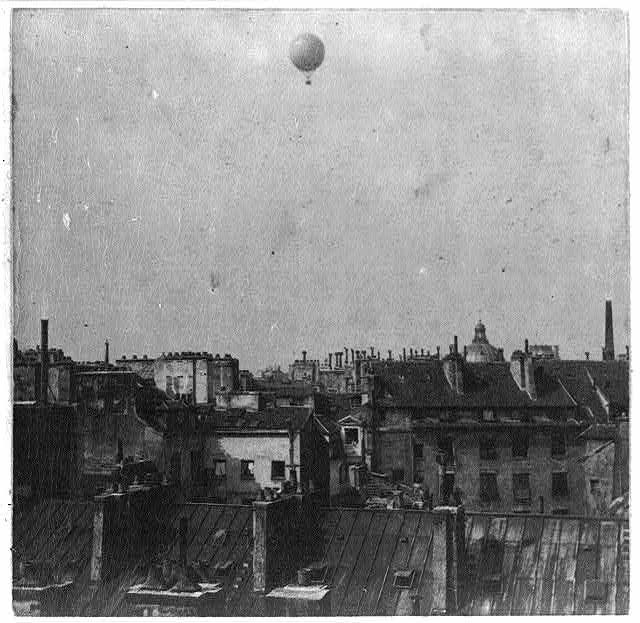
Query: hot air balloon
x=307 y=53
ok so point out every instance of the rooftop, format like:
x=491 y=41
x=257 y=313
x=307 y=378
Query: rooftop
x=516 y=564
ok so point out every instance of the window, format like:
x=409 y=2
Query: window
x=246 y=470
x=219 y=469
x=397 y=475
x=558 y=445
x=520 y=445
x=488 y=487
x=559 y=485
x=277 y=470
x=418 y=450
x=351 y=436
x=594 y=486
x=521 y=489
x=403 y=579
x=418 y=477
x=488 y=451
x=198 y=473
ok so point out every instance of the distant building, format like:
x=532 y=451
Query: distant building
x=511 y=436
x=232 y=455
x=174 y=373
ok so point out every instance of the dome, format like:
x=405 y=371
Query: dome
x=480 y=351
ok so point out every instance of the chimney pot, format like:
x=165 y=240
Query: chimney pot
x=330 y=366
x=526 y=346
x=389 y=355
x=455 y=344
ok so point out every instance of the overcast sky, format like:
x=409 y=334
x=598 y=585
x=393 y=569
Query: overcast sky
x=442 y=167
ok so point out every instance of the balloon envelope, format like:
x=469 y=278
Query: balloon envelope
x=307 y=52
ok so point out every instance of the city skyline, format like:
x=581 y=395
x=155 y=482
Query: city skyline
x=177 y=186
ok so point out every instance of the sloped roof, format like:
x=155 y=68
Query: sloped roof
x=423 y=384
x=516 y=564
x=611 y=377
x=529 y=565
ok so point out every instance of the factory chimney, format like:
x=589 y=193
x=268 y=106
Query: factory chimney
x=608 y=354
x=44 y=361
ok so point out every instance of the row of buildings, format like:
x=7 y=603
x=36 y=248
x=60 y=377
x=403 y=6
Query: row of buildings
x=463 y=483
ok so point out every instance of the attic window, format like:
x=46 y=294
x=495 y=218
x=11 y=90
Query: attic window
x=488 y=415
x=404 y=578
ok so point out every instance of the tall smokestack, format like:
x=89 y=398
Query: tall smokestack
x=609 y=352
x=106 y=352
x=304 y=356
x=44 y=360
x=526 y=346
x=455 y=344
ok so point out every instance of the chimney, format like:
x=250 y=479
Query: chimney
x=304 y=356
x=586 y=355
x=121 y=535
x=44 y=361
x=378 y=355
x=455 y=344
x=389 y=351
x=184 y=529
x=346 y=356
x=279 y=528
x=448 y=559
x=627 y=349
x=194 y=382
x=609 y=352
x=453 y=366
x=352 y=357
x=422 y=352
x=330 y=356
x=438 y=352
x=106 y=352
x=465 y=353
x=404 y=354
x=411 y=353
x=372 y=352
x=526 y=346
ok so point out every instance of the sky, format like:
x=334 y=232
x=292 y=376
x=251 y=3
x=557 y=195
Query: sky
x=177 y=186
